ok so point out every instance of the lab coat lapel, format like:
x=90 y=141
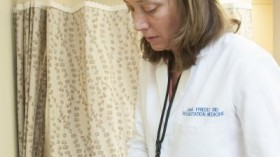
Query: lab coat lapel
x=182 y=89
x=162 y=80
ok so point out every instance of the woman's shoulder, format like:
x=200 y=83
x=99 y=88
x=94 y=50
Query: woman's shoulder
x=234 y=47
x=238 y=53
x=238 y=44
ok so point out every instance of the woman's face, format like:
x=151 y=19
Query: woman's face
x=157 y=20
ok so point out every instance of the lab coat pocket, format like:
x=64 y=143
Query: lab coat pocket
x=200 y=138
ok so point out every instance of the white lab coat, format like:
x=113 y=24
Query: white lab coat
x=226 y=105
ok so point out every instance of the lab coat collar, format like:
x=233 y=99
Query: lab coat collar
x=162 y=80
x=203 y=52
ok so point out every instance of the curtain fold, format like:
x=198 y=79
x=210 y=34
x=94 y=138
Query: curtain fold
x=77 y=77
x=30 y=28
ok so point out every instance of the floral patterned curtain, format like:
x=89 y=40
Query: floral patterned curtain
x=77 y=71
x=77 y=78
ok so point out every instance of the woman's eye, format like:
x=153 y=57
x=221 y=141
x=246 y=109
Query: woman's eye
x=150 y=9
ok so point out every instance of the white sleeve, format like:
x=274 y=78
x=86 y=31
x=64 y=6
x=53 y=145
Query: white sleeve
x=258 y=107
x=137 y=144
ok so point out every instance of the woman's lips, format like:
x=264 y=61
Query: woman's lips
x=152 y=39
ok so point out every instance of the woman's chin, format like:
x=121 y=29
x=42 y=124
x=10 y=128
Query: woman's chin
x=158 y=48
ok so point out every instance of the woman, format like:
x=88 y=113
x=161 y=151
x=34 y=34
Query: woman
x=204 y=91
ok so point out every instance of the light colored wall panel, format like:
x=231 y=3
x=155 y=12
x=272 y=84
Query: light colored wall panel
x=262 y=18
x=276 y=19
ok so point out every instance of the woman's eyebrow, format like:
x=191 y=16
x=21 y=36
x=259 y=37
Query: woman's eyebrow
x=138 y=1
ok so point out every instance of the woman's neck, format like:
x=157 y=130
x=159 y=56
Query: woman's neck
x=175 y=76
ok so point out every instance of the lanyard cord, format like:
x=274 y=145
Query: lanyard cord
x=160 y=139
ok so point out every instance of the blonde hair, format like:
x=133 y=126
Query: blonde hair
x=202 y=22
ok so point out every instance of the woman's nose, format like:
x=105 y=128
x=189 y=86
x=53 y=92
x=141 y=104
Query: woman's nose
x=140 y=23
